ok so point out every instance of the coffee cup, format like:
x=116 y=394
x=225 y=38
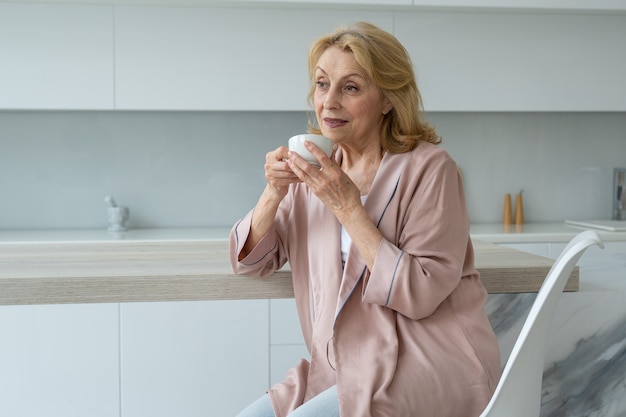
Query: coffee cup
x=296 y=144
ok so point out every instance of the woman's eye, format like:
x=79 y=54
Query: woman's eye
x=320 y=84
x=351 y=88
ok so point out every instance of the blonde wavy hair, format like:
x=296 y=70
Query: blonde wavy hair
x=387 y=63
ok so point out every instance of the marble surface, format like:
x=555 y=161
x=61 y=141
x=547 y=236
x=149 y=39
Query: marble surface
x=585 y=362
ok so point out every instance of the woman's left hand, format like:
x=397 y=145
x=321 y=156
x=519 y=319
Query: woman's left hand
x=341 y=195
x=329 y=183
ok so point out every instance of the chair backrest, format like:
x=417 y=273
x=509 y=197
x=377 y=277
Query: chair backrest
x=518 y=393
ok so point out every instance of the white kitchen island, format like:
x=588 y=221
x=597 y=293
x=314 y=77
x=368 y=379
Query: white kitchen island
x=158 y=335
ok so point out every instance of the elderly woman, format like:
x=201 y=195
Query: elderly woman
x=391 y=307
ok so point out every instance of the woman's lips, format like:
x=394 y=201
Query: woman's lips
x=332 y=123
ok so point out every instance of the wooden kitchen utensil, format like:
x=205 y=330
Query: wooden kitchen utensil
x=519 y=209
x=507 y=215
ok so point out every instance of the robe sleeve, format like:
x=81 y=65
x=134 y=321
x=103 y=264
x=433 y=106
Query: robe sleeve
x=415 y=275
x=269 y=255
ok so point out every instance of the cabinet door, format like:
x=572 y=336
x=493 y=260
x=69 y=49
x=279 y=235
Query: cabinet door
x=219 y=58
x=287 y=345
x=56 y=56
x=336 y=2
x=193 y=359
x=59 y=360
x=517 y=61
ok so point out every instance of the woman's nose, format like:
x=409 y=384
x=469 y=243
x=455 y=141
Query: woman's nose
x=332 y=100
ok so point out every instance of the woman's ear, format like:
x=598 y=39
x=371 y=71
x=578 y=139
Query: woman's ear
x=387 y=107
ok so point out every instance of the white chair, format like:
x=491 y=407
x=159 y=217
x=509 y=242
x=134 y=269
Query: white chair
x=518 y=393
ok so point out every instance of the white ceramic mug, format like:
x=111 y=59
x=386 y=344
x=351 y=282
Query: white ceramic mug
x=296 y=144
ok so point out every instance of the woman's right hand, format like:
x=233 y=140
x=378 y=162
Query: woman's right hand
x=278 y=173
x=279 y=176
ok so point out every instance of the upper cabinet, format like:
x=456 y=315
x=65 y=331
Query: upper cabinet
x=56 y=56
x=249 y=57
x=333 y=2
x=255 y=59
x=526 y=5
x=219 y=58
x=517 y=61
x=323 y=2
x=573 y=5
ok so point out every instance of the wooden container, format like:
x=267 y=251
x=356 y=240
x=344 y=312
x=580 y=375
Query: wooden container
x=507 y=215
x=519 y=209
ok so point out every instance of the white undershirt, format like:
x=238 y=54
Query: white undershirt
x=346 y=241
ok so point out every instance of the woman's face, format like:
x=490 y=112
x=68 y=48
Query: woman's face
x=348 y=105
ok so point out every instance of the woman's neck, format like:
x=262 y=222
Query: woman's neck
x=361 y=165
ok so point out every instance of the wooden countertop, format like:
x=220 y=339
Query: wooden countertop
x=143 y=271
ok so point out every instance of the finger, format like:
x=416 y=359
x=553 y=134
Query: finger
x=301 y=167
x=273 y=164
x=317 y=152
x=278 y=154
x=281 y=179
x=282 y=176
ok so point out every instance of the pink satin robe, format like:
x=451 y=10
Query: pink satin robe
x=409 y=338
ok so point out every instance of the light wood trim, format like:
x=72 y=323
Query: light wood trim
x=113 y=272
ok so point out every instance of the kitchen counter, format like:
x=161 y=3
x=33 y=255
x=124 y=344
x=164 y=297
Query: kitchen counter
x=488 y=232
x=101 y=235
x=93 y=266
x=535 y=233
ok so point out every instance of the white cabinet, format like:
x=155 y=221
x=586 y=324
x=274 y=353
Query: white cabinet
x=193 y=359
x=529 y=5
x=335 y=2
x=240 y=58
x=213 y=58
x=56 y=56
x=517 y=61
x=59 y=360
x=287 y=346
x=135 y=359
x=526 y=5
x=219 y=58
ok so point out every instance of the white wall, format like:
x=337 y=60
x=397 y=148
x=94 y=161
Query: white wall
x=563 y=161
x=190 y=169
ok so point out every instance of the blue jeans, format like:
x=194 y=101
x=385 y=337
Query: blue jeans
x=325 y=404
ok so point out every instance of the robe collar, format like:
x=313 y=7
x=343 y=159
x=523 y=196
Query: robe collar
x=382 y=191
